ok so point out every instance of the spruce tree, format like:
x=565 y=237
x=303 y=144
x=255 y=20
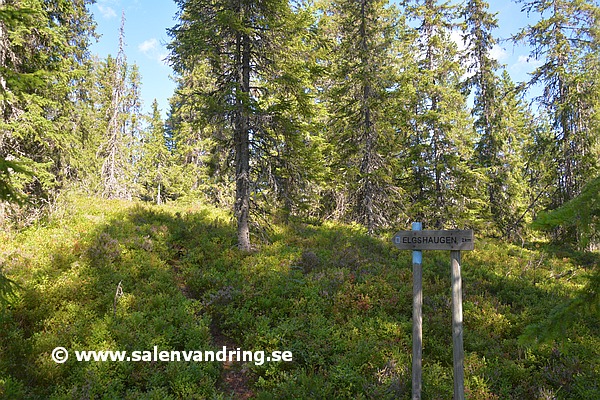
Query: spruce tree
x=289 y=165
x=566 y=41
x=440 y=142
x=510 y=161
x=197 y=145
x=122 y=124
x=154 y=162
x=243 y=44
x=360 y=99
x=500 y=122
x=43 y=51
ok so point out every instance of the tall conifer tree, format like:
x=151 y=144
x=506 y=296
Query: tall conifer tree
x=122 y=124
x=197 y=145
x=566 y=40
x=243 y=42
x=499 y=121
x=512 y=190
x=154 y=161
x=441 y=142
x=43 y=51
x=361 y=98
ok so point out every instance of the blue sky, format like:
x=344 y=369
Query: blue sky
x=147 y=21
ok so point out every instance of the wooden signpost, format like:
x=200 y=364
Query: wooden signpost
x=455 y=241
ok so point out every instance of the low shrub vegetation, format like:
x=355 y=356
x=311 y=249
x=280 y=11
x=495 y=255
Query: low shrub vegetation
x=337 y=298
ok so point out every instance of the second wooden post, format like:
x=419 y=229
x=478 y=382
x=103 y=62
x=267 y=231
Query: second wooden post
x=457 y=328
x=417 y=334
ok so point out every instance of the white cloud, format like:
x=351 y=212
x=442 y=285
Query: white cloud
x=148 y=46
x=106 y=11
x=525 y=63
x=107 y=8
x=457 y=37
x=153 y=50
x=498 y=53
x=525 y=60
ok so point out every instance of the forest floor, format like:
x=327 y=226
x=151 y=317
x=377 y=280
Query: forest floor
x=338 y=299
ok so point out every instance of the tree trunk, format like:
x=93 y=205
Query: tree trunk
x=242 y=147
x=4 y=48
x=365 y=201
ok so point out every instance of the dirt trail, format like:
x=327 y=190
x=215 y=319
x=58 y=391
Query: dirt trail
x=235 y=375
x=234 y=380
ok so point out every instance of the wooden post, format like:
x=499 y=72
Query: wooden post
x=455 y=241
x=417 y=319
x=457 y=328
